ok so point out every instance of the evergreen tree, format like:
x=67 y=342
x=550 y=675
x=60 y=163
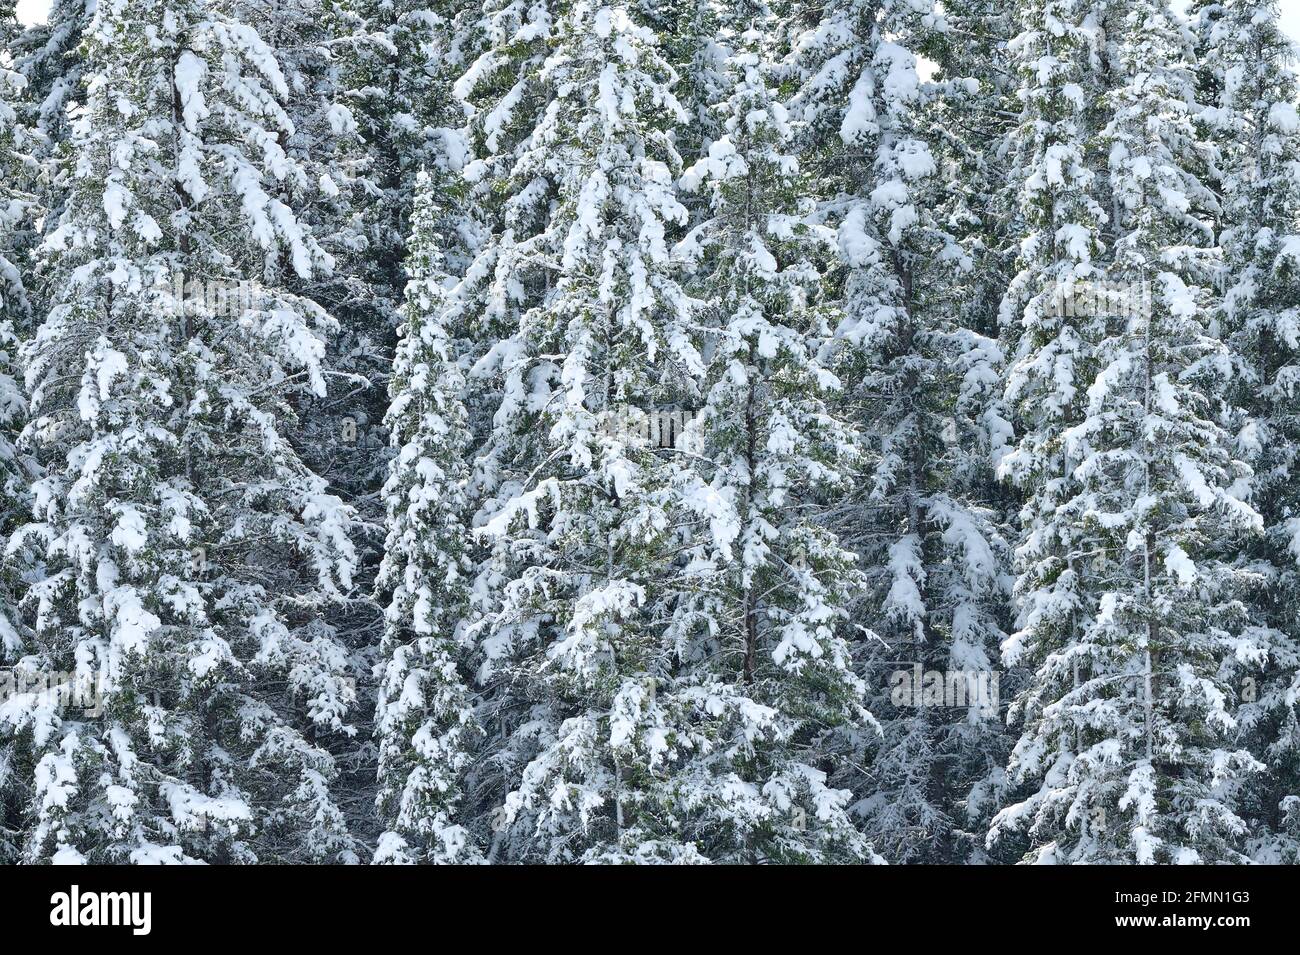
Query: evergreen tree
x=589 y=711
x=1128 y=722
x=1249 y=91
x=334 y=194
x=340 y=435
x=517 y=431
x=15 y=468
x=688 y=34
x=15 y=210
x=919 y=387
x=187 y=550
x=401 y=61
x=971 y=116
x=425 y=719
x=49 y=56
x=1053 y=168
x=770 y=584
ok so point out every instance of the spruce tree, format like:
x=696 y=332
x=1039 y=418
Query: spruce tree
x=1053 y=166
x=1249 y=90
x=918 y=378
x=1130 y=721
x=573 y=111
x=769 y=584
x=187 y=550
x=50 y=58
x=15 y=467
x=425 y=720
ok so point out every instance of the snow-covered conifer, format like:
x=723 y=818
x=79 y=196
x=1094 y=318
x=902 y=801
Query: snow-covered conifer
x=425 y=719
x=919 y=384
x=577 y=504
x=1060 y=218
x=1130 y=750
x=769 y=583
x=187 y=550
x=49 y=57
x=15 y=473
x=1249 y=91
x=516 y=431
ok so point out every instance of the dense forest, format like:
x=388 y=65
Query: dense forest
x=649 y=431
